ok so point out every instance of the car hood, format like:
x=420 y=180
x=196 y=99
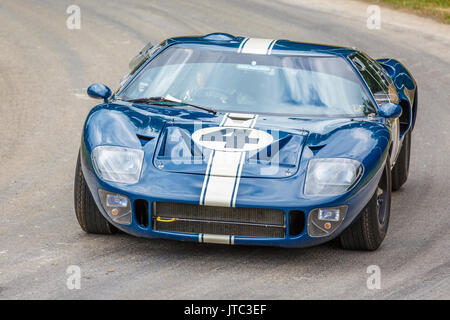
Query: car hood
x=263 y=151
x=267 y=146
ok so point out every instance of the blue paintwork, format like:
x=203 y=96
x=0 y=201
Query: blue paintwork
x=99 y=91
x=390 y=110
x=120 y=123
x=405 y=84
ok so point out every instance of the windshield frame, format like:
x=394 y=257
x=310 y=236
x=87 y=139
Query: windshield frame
x=119 y=94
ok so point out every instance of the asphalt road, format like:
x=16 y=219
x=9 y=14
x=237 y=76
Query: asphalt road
x=44 y=70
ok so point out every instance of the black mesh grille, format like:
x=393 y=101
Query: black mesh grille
x=250 y=222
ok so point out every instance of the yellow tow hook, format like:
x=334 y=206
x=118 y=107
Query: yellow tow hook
x=165 y=220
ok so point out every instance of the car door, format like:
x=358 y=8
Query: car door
x=383 y=91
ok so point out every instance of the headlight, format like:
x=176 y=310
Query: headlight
x=118 y=164
x=117 y=206
x=331 y=176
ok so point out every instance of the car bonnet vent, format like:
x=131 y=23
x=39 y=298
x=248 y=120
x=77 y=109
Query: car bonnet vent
x=143 y=139
x=316 y=149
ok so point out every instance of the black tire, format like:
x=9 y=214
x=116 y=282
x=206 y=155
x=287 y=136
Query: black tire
x=401 y=168
x=368 y=232
x=88 y=215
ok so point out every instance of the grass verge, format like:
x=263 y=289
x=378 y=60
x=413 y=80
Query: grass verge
x=436 y=9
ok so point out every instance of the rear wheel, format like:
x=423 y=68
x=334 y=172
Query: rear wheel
x=401 y=168
x=368 y=232
x=88 y=215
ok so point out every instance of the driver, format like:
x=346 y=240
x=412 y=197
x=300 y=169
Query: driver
x=200 y=80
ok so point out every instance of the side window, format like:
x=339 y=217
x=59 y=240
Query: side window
x=392 y=91
x=393 y=95
x=375 y=77
x=147 y=52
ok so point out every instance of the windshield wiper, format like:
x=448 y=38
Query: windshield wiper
x=164 y=101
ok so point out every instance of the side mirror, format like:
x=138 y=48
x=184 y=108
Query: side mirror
x=390 y=110
x=99 y=91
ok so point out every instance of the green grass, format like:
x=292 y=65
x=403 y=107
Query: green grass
x=437 y=9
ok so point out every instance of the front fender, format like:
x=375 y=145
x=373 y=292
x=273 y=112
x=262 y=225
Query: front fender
x=365 y=141
x=118 y=125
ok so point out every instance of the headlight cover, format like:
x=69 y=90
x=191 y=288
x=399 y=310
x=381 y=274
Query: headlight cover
x=118 y=164
x=331 y=176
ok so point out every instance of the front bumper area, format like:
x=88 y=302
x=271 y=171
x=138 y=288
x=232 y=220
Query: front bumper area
x=295 y=233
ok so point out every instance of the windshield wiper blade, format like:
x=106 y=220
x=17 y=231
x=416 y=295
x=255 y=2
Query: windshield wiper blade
x=163 y=101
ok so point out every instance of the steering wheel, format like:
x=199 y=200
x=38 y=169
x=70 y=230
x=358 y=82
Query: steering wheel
x=215 y=93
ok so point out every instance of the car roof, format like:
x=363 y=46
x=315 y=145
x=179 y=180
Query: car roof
x=228 y=42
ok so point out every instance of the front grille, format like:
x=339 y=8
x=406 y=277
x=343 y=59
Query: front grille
x=247 y=222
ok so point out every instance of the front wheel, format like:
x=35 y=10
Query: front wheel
x=368 y=232
x=88 y=215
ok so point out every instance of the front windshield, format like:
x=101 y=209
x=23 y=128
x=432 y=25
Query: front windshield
x=252 y=83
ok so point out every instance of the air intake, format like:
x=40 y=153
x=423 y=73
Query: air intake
x=296 y=222
x=141 y=212
x=219 y=36
x=247 y=222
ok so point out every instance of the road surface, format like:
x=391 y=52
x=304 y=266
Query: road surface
x=45 y=68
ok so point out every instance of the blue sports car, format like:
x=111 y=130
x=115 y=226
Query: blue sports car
x=233 y=140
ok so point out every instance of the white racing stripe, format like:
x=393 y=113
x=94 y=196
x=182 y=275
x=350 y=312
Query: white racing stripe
x=242 y=44
x=256 y=46
x=269 y=51
x=215 y=238
x=208 y=167
x=224 y=168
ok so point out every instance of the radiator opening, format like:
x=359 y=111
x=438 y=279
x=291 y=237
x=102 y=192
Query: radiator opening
x=190 y=218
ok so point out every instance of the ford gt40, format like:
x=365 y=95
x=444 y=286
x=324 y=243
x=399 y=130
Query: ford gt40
x=248 y=141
